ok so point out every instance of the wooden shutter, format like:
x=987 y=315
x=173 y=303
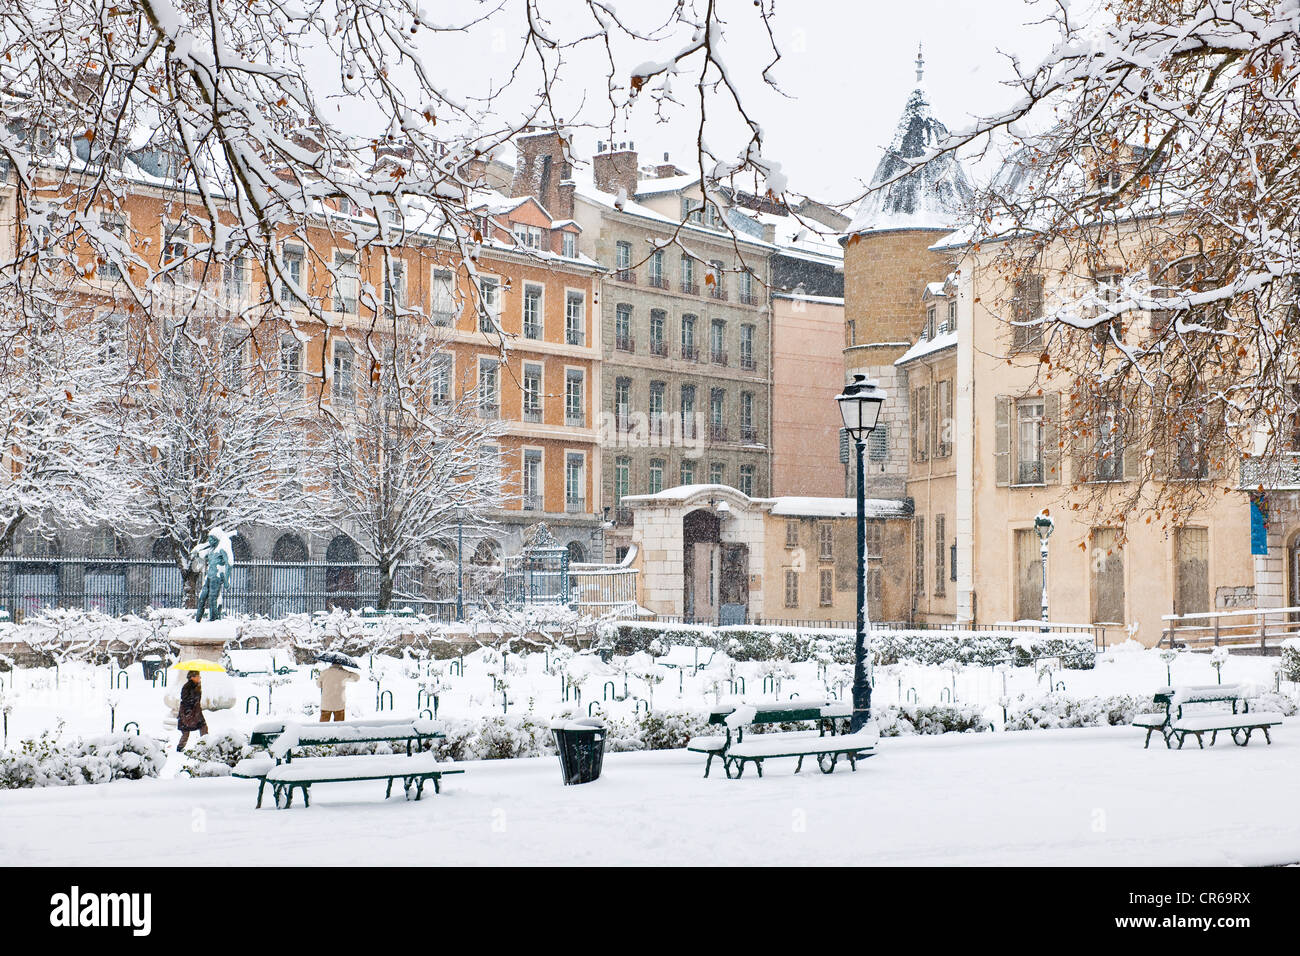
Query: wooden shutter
x=1052 y=438
x=1002 y=441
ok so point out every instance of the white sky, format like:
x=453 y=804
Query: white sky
x=847 y=66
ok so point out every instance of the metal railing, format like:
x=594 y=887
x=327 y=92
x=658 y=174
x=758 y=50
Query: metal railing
x=1250 y=627
x=625 y=343
x=659 y=348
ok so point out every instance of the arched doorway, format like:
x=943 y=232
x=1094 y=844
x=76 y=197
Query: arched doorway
x=341 y=572
x=577 y=553
x=288 y=576
x=484 y=574
x=715 y=575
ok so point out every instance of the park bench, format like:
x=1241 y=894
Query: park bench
x=735 y=751
x=685 y=657
x=281 y=744
x=301 y=774
x=1172 y=722
x=241 y=663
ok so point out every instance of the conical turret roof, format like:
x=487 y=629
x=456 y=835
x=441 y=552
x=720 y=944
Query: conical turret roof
x=933 y=197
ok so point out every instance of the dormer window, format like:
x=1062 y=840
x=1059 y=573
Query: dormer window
x=1109 y=178
x=569 y=245
x=528 y=236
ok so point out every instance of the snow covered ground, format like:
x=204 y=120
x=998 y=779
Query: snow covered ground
x=1058 y=797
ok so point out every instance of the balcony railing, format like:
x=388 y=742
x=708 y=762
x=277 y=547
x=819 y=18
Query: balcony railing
x=690 y=288
x=575 y=505
x=688 y=426
x=748 y=298
x=486 y=410
x=747 y=361
x=573 y=337
x=532 y=330
x=749 y=434
x=717 y=292
x=626 y=275
x=533 y=415
x=690 y=353
x=575 y=420
x=534 y=503
x=659 y=348
x=1282 y=471
x=718 y=356
x=625 y=343
x=717 y=431
x=442 y=317
x=659 y=282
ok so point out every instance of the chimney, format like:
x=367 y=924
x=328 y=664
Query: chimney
x=666 y=169
x=615 y=168
x=542 y=165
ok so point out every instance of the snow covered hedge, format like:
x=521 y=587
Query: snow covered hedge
x=939 y=719
x=47 y=761
x=1291 y=659
x=888 y=646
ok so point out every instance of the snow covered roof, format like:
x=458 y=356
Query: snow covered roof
x=585 y=189
x=932 y=197
x=927 y=347
x=665 y=184
x=800 y=507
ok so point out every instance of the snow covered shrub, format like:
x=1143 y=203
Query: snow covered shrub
x=47 y=762
x=669 y=730
x=207 y=755
x=1022 y=648
x=1273 y=703
x=896 y=721
x=1291 y=659
x=1058 y=710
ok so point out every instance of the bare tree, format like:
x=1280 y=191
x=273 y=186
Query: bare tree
x=1144 y=227
x=407 y=454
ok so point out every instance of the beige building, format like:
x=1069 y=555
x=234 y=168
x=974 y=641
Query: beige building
x=807 y=373
x=710 y=553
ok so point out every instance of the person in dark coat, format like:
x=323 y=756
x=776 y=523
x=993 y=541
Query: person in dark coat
x=189 y=716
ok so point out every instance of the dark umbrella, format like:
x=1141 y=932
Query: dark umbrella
x=334 y=657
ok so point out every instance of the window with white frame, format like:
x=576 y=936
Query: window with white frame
x=291 y=365
x=575 y=311
x=575 y=481
x=442 y=303
x=655 y=484
x=489 y=395
x=532 y=479
x=342 y=387
x=569 y=245
x=1029 y=442
x=292 y=259
x=532 y=392
x=575 y=398
x=747 y=480
x=532 y=311
x=395 y=288
x=347 y=282
x=489 y=319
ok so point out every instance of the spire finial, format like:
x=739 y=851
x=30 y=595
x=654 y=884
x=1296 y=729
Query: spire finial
x=920 y=64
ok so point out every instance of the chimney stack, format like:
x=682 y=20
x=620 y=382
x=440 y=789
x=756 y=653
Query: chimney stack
x=542 y=165
x=615 y=168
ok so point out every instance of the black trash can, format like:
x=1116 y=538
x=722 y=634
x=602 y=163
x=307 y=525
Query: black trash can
x=152 y=665
x=581 y=745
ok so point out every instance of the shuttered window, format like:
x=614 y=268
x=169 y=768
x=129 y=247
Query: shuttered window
x=1107 y=577
x=1192 y=571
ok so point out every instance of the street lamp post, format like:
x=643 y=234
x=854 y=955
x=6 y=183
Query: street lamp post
x=860 y=409
x=1043 y=524
x=460 y=558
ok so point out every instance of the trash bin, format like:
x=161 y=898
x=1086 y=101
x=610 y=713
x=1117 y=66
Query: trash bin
x=581 y=745
x=152 y=666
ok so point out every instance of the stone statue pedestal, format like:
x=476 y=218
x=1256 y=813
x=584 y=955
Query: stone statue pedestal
x=203 y=640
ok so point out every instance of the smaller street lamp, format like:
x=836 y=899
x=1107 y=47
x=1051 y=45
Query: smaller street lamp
x=1043 y=524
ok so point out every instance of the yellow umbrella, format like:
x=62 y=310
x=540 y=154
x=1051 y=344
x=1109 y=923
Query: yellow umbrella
x=198 y=665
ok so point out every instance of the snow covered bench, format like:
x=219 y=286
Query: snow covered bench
x=241 y=663
x=684 y=656
x=1174 y=723
x=827 y=748
x=301 y=774
x=271 y=734
x=825 y=712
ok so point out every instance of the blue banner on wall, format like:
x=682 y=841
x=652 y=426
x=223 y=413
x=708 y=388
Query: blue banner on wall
x=1258 y=524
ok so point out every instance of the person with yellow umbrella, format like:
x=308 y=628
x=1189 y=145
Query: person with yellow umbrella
x=189 y=715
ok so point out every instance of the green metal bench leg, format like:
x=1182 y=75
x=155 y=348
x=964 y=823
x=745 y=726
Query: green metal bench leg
x=306 y=795
x=1147 y=743
x=1267 y=738
x=1214 y=737
x=706 y=766
x=389 y=792
x=437 y=783
x=821 y=762
x=261 y=787
x=759 y=765
x=1200 y=741
x=799 y=765
x=853 y=762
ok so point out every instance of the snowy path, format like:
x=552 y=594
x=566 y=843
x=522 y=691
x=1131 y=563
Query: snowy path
x=1068 y=797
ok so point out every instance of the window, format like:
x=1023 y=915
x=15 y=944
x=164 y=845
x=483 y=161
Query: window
x=791 y=588
x=623 y=262
x=443 y=304
x=1029 y=442
x=233 y=344
x=688 y=338
x=234 y=279
x=717 y=473
x=1108 y=448
x=656 y=481
x=929 y=330
x=658 y=323
x=826 y=587
x=745 y=283
x=944 y=423
x=940 y=556
x=440 y=383
x=1108 y=291
x=575 y=482
x=1106 y=575
x=875 y=540
x=574 y=311
x=1191 y=460
x=656 y=409
x=533 y=499
x=718 y=342
x=1191 y=571
x=717 y=414
x=176 y=246
x=291 y=365
x=569 y=245
x=623 y=327
x=918 y=575
x=528 y=236
x=825 y=541
x=688 y=411
x=747 y=346
x=532 y=311
x=688 y=276
x=657 y=277
x=107 y=267
x=292 y=273
x=1027 y=307
x=395 y=289
x=347 y=282
x=1029 y=576
x=921 y=423
x=342 y=389
x=532 y=392
x=791 y=533
x=489 y=319
x=714 y=273
x=687 y=472
x=747 y=480
x=574 y=398
x=489 y=399
x=878 y=442
x=622 y=403
x=622 y=479
x=851 y=331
